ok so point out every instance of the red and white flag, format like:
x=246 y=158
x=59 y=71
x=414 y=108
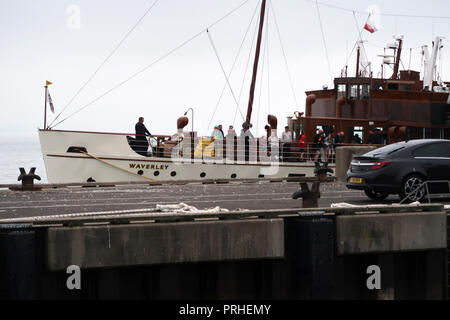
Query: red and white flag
x=370 y=26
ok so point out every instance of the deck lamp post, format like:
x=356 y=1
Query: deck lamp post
x=192 y=132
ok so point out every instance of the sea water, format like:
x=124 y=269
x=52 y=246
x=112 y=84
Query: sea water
x=20 y=152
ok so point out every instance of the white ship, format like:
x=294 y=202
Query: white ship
x=80 y=156
x=76 y=157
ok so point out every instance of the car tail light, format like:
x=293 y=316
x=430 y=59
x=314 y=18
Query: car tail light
x=379 y=164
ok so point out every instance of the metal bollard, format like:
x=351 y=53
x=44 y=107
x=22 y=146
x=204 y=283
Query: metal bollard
x=310 y=197
x=321 y=171
x=27 y=180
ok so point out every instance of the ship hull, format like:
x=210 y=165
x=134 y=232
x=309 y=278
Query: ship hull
x=109 y=158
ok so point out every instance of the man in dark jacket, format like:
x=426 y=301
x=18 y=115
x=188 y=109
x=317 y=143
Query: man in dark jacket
x=141 y=137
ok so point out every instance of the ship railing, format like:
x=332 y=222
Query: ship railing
x=237 y=150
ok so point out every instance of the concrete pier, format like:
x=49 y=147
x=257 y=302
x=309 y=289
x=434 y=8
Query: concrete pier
x=284 y=253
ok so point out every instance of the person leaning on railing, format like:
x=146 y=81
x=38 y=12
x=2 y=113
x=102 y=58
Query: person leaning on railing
x=141 y=137
x=302 y=147
x=286 y=138
x=328 y=147
x=318 y=145
x=245 y=136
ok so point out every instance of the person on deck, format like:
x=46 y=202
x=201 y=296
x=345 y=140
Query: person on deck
x=375 y=137
x=231 y=133
x=318 y=145
x=245 y=132
x=221 y=131
x=328 y=147
x=339 y=138
x=141 y=137
x=217 y=133
x=245 y=136
x=286 y=138
x=302 y=147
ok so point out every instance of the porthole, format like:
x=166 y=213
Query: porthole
x=156 y=173
x=173 y=173
x=233 y=176
x=202 y=175
x=77 y=149
x=140 y=172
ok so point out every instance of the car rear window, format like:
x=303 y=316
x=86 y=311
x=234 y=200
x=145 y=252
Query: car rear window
x=434 y=150
x=385 y=151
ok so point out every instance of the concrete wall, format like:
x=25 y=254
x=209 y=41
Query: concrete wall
x=158 y=243
x=374 y=233
x=344 y=156
x=290 y=258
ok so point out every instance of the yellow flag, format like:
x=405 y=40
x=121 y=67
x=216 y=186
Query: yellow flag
x=47 y=83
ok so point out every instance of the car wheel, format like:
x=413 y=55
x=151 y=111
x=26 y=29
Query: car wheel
x=374 y=195
x=412 y=188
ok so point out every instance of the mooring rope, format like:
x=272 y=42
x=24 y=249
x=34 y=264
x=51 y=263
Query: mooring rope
x=114 y=166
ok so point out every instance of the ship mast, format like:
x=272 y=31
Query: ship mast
x=397 y=60
x=357 y=61
x=255 y=63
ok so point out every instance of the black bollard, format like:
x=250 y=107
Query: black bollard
x=27 y=180
x=310 y=197
x=321 y=171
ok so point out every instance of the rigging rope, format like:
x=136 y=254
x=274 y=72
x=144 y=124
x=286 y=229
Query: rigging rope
x=246 y=68
x=105 y=60
x=224 y=73
x=232 y=68
x=381 y=14
x=153 y=63
x=324 y=43
x=284 y=54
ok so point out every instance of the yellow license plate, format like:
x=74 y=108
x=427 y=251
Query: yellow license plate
x=356 y=180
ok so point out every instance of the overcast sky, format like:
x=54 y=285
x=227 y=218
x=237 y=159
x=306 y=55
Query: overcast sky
x=65 y=41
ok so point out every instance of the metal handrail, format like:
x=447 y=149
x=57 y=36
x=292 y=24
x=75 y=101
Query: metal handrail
x=425 y=183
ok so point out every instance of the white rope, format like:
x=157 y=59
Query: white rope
x=184 y=208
